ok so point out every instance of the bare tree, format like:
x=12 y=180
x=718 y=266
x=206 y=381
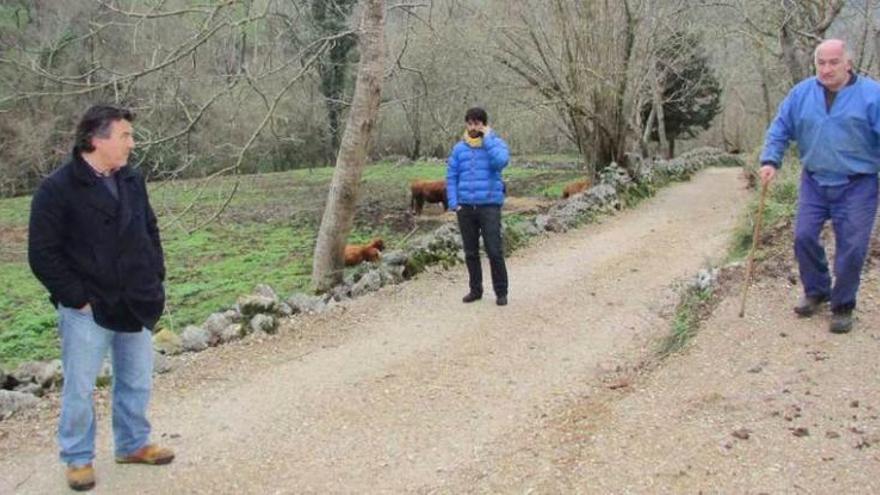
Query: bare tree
x=339 y=211
x=797 y=25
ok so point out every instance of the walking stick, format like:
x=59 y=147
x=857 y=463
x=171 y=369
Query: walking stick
x=755 y=237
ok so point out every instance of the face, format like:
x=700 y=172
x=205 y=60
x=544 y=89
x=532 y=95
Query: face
x=475 y=128
x=114 y=149
x=832 y=66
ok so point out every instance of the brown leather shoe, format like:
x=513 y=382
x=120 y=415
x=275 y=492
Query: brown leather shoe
x=81 y=478
x=150 y=454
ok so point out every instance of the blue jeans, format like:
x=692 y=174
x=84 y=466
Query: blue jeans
x=851 y=208
x=84 y=344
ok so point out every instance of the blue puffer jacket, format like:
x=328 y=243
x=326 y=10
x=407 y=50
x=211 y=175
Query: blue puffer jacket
x=473 y=174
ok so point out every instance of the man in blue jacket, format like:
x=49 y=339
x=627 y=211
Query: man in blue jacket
x=475 y=192
x=835 y=119
x=94 y=243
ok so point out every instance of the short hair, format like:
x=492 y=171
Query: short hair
x=847 y=56
x=476 y=114
x=96 y=122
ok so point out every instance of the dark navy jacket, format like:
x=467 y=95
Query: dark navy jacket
x=86 y=246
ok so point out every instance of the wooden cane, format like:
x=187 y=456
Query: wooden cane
x=755 y=236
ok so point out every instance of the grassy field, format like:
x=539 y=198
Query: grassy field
x=265 y=235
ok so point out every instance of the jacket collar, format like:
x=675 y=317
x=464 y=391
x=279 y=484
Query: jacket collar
x=97 y=196
x=87 y=175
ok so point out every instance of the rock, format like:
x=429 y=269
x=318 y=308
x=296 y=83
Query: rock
x=800 y=432
x=370 y=282
x=30 y=388
x=395 y=273
x=254 y=304
x=51 y=375
x=285 y=309
x=161 y=363
x=232 y=315
x=27 y=372
x=705 y=279
x=541 y=222
x=264 y=323
x=45 y=374
x=340 y=292
x=194 y=339
x=303 y=303
x=390 y=274
x=234 y=331
x=12 y=402
x=530 y=229
x=214 y=325
x=555 y=224
x=394 y=258
x=167 y=342
x=742 y=433
x=267 y=292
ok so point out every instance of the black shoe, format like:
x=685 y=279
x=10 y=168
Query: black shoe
x=471 y=297
x=841 y=322
x=501 y=300
x=808 y=305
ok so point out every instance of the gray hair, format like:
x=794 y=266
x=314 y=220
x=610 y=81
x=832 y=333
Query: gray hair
x=847 y=56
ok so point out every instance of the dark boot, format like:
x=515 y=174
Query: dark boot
x=808 y=305
x=471 y=297
x=841 y=322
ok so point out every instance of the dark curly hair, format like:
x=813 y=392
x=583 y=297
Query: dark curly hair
x=476 y=114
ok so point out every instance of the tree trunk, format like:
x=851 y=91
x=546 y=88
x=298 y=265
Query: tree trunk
x=791 y=55
x=580 y=124
x=658 y=110
x=330 y=16
x=646 y=133
x=341 y=200
x=765 y=91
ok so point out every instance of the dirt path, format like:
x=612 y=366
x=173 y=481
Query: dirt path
x=409 y=390
x=768 y=403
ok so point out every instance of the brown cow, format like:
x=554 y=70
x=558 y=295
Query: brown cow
x=358 y=253
x=431 y=191
x=575 y=187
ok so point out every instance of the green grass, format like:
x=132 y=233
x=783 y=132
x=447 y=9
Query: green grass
x=779 y=209
x=551 y=159
x=265 y=235
x=686 y=320
x=779 y=206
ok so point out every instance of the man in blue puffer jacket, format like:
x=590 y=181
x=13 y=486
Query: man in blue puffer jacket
x=835 y=119
x=475 y=192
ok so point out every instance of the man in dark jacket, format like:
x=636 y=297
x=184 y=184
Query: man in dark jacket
x=475 y=191
x=94 y=243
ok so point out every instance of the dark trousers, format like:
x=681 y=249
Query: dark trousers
x=851 y=208
x=486 y=220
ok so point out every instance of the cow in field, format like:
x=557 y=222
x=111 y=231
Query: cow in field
x=356 y=254
x=427 y=191
x=575 y=187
